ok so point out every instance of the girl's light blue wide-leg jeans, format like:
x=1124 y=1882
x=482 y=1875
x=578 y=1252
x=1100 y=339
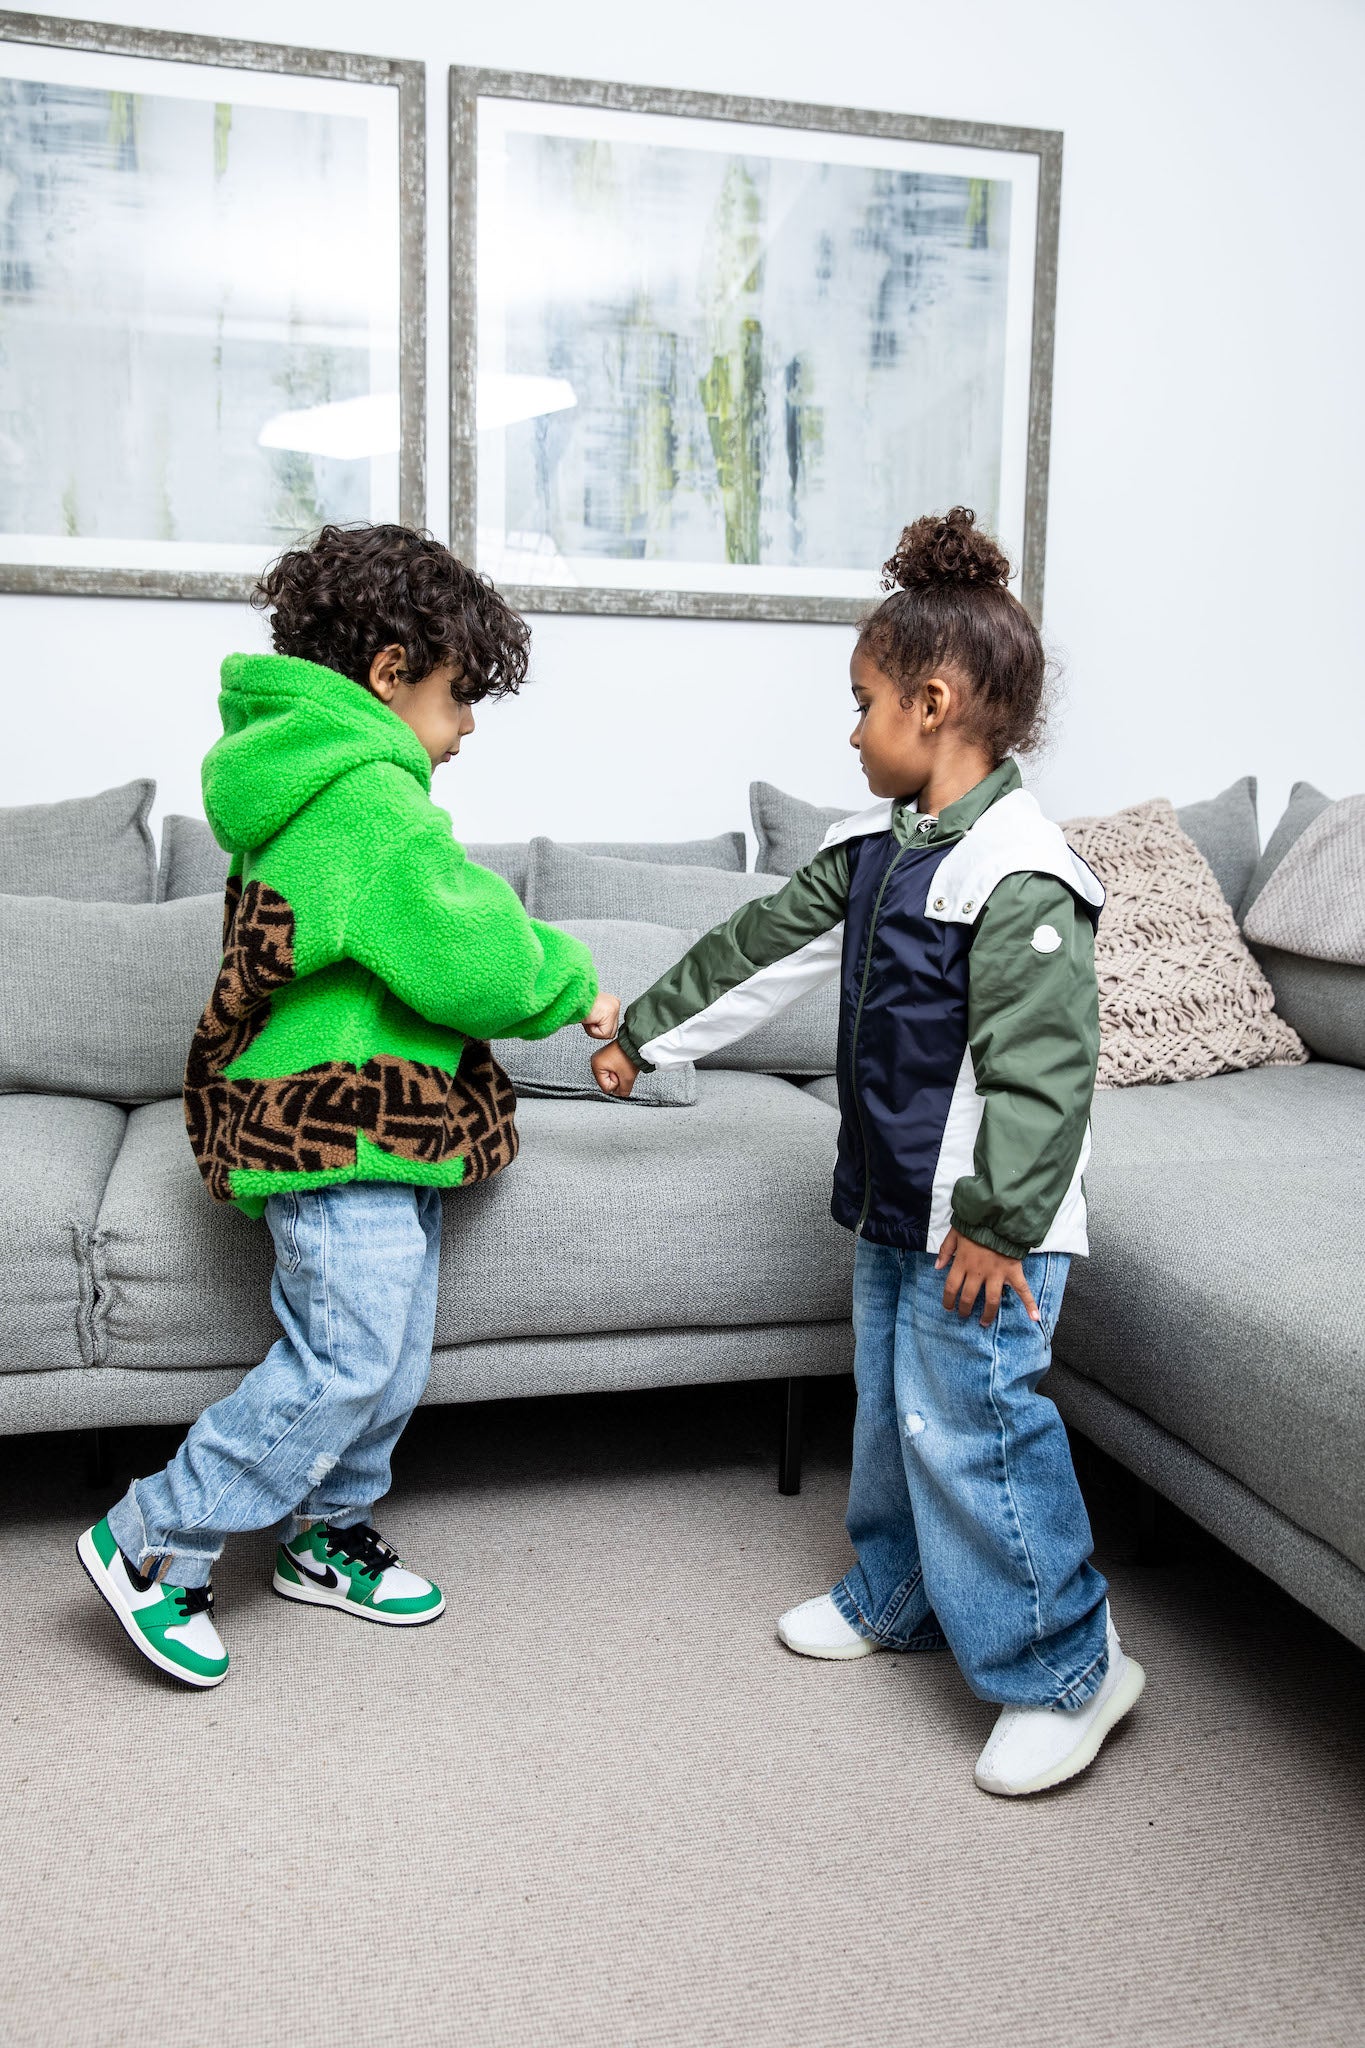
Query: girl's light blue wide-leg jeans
x=964 y=1509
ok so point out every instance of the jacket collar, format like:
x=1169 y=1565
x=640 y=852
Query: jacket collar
x=956 y=819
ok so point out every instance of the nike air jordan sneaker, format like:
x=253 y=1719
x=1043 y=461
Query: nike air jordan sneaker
x=171 y=1625
x=354 y=1569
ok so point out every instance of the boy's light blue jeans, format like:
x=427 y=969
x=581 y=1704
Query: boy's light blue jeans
x=963 y=1508
x=309 y=1432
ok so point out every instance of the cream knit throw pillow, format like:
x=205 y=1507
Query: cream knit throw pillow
x=1180 y=995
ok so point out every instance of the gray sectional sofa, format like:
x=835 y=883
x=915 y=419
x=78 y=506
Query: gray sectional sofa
x=1212 y=1342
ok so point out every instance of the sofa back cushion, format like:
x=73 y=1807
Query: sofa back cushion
x=1227 y=833
x=1180 y=994
x=789 y=831
x=1304 y=804
x=102 y=999
x=89 y=849
x=193 y=863
x=1223 y=827
x=628 y=957
x=1306 y=920
x=566 y=884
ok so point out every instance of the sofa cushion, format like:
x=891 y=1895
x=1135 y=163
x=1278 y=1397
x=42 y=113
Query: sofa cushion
x=610 y=1222
x=1304 y=804
x=1219 y=1296
x=1180 y=995
x=628 y=958
x=183 y=1280
x=564 y=883
x=93 y=849
x=604 y=1222
x=1314 y=901
x=1223 y=827
x=1323 y=1000
x=102 y=999
x=511 y=858
x=1226 y=831
x=58 y=1154
x=1306 y=924
x=192 y=862
x=789 y=831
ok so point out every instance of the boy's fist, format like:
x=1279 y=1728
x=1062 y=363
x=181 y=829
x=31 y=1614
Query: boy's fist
x=613 y=1072
x=603 y=1018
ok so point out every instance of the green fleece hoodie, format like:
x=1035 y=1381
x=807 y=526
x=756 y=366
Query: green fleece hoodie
x=366 y=961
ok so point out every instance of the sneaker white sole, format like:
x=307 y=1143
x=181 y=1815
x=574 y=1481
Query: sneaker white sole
x=99 y=1578
x=827 y=1655
x=1124 y=1698
x=319 y=1596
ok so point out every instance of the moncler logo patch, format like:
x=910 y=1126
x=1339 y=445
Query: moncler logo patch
x=1046 y=939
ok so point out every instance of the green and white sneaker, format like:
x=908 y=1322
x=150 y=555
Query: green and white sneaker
x=171 y=1625
x=357 y=1570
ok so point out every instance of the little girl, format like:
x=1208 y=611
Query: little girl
x=963 y=927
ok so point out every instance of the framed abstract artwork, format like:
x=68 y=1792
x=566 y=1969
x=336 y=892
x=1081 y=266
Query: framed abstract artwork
x=212 y=304
x=709 y=355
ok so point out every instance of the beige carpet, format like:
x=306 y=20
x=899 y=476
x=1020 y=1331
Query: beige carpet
x=598 y=1803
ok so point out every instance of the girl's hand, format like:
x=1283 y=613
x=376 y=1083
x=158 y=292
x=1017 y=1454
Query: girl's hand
x=603 y=1018
x=972 y=1268
x=613 y=1072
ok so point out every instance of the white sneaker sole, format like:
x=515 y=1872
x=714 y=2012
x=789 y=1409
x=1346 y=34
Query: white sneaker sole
x=827 y=1654
x=99 y=1578
x=1124 y=1698
x=320 y=1596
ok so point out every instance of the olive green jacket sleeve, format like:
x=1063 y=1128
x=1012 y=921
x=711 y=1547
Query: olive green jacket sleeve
x=1033 y=1029
x=767 y=954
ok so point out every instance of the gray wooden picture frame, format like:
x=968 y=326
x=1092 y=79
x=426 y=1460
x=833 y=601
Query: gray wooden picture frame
x=408 y=77
x=468 y=85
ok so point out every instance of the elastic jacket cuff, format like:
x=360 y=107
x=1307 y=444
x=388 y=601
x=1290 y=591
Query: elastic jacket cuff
x=632 y=1051
x=979 y=1234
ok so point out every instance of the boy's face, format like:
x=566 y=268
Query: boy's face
x=439 y=720
x=894 y=740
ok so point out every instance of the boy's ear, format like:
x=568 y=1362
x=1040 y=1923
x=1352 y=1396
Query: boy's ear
x=386 y=672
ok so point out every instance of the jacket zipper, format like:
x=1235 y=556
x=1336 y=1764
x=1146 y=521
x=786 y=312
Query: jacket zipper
x=853 y=1047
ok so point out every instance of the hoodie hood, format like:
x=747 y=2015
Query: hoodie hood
x=289 y=729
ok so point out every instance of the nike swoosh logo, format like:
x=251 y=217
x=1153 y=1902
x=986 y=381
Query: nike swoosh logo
x=326 y=1577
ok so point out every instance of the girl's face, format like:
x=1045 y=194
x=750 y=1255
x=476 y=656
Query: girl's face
x=894 y=740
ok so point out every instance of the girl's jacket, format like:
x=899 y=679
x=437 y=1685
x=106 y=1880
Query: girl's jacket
x=968 y=1018
x=366 y=961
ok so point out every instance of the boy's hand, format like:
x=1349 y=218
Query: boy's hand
x=972 y=1268
x=613 y=1072
x=603 y=1018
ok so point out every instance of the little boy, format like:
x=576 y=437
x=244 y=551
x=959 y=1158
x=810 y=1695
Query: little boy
x=340 y=1077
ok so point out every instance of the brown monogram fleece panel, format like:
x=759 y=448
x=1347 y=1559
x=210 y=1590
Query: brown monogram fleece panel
x=307 y=1122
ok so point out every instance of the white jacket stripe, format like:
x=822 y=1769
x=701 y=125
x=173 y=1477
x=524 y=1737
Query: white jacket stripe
x=750 y=1002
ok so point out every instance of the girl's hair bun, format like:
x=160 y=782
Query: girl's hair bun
x=951 y=549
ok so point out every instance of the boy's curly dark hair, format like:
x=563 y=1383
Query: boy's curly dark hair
x=356 y=589
x=949 y=608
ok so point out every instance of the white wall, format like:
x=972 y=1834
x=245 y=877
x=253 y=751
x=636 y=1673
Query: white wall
x=1206 y=533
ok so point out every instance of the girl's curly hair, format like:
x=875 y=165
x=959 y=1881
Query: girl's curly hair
x=949 y=608
x=357 y=589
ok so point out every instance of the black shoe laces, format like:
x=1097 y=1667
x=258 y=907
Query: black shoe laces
x=362 y=1546
x=193 y=1599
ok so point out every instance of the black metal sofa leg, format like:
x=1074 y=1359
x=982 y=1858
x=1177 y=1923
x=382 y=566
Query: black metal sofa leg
x=789 y=1446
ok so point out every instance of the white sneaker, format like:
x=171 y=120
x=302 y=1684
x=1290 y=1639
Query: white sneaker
x=1033 y=1748
x=817 y=1629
